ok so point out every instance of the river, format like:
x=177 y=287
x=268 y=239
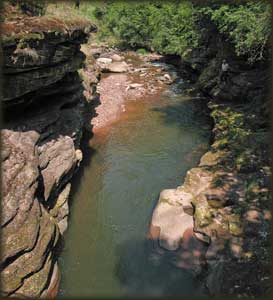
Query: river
x=125 y=167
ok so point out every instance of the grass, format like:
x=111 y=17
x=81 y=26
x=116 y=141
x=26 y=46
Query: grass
x=66 y=10
x=59 y=18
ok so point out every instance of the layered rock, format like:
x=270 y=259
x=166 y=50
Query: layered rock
x=45 y=114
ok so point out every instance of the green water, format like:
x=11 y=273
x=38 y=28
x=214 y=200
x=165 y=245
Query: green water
x=124 y=170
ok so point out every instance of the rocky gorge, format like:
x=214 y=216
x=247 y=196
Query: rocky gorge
x=217 y=222
x=50 y=99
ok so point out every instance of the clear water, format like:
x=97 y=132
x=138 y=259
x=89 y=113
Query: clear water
x=124 y=169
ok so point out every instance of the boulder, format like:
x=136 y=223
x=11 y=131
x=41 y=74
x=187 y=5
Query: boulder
x=115 y=67
x=173 y=222
x=171 y=219
x=116 y=57
x=52 y=290
x=135 y=85
x=104 y=60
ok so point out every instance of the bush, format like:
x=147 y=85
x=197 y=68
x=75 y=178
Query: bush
x=247 y=26
x=141 y=51
x=174 y=27
x=167 y=27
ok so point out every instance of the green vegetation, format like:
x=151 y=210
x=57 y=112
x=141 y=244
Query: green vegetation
x=175 y=27
x=66 y=9
x=141 y=51
x=165 y=28
x=238 y=133
x=247 y=26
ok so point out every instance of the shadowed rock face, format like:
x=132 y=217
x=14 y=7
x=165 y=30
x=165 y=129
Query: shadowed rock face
x=44 y=120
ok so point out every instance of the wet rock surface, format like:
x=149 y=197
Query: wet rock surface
x=45 y=113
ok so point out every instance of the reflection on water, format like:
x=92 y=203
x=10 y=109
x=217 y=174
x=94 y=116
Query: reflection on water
x=151 y=148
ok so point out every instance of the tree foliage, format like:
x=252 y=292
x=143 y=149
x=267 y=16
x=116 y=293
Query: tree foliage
x=174 y=27
x=166 y=27
x=247 y=26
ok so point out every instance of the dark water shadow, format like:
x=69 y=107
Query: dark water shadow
x=88 y=154
x=187 y=113
x=145 y=273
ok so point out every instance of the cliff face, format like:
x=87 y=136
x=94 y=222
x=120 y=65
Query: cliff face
x=228 y=194
x=45 y=113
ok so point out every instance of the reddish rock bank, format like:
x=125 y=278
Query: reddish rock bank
x=44 y=120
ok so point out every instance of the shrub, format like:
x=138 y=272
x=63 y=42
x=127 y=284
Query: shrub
x=247 y=26
x=174 y=27
x=165 y=27
x=141 y=51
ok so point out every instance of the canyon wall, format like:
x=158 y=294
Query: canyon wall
x=45 y=112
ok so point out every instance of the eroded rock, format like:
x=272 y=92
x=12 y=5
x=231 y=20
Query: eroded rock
x=45 y=112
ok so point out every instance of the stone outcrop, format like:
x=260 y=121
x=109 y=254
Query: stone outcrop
x=45 y=115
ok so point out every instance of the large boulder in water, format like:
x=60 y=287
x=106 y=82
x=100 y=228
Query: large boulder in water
x=170 y=217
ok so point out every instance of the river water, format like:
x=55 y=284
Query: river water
x=124 y=169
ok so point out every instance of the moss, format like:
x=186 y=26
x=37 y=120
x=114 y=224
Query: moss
x=216 y=203
x=21 y=38
x=27 y=28
x=235 y=228
x=208 y=78
x=202 y=216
